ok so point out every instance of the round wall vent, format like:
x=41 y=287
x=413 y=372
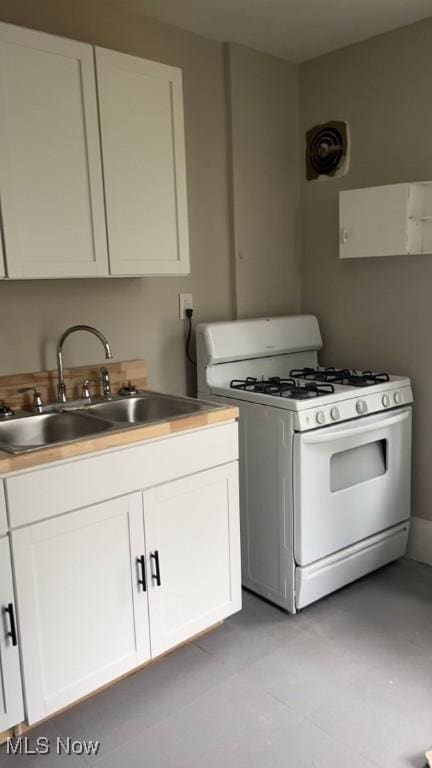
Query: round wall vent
x=327 y=150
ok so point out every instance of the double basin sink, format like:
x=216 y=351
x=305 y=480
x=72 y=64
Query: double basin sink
x=66 y=424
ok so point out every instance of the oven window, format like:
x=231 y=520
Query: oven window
x=356 y=465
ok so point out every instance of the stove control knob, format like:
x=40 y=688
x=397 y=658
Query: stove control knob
x=361 y=406
x=335 y=414
x=397 y=397
x=320 y=417
x=385 y=401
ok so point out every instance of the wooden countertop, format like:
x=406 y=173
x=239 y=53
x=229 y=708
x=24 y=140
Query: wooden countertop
x=121 y=373
x=14 y=462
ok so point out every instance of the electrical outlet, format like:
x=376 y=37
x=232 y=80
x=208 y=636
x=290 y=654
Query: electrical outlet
x=185 y=302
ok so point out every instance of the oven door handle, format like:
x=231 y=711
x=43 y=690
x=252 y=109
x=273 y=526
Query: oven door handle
x=330 y=437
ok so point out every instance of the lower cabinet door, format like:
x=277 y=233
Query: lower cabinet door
x=11 y=702
x=81 y=591
x=193 y=551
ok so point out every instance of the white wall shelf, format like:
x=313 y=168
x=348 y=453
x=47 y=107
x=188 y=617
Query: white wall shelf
x=390 y=220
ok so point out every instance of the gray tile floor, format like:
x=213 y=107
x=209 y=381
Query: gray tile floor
x=345 y=684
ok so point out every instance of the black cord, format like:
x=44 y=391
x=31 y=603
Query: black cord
x=189 y=313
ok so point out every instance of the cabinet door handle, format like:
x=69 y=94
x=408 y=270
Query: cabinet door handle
x=142 y=572
x=156 y=575
x=12 y=633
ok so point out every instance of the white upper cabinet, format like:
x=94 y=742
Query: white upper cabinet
x=390 y=220
x=143 y=150
x=51 y=179
x=57 y=205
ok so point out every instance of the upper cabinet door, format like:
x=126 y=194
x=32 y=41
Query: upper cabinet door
x=51 y=178
x=142 y=130
x=373 y=221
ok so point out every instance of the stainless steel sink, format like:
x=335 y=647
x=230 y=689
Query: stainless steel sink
x=40 y=431
x=142 y=410
x=77 y=421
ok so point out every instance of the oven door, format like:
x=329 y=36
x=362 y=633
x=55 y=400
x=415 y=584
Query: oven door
x=350 y=481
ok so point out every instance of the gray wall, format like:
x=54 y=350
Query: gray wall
x=139 y=316
x=374 y=312
x=263 y=97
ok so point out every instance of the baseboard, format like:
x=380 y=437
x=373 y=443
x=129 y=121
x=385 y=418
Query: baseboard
x=420 y=540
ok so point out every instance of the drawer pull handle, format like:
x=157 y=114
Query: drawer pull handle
x=12 y=633
x=142 y=572
x=156 y=576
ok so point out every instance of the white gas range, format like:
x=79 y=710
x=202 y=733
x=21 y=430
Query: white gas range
x=325 y=457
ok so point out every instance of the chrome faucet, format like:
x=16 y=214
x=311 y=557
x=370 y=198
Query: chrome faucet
x=61 y=389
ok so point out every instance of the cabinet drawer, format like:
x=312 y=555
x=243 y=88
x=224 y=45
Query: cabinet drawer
x=51 y=491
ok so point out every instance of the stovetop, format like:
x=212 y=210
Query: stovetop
x=309 y=383
x=306 y=388
x=290 y=387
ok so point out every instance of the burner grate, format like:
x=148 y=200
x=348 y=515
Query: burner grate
x=365 y=378
x=289 y=388
x=304 y=391
x=341 y=376
x=335 y=375
x=266 y=386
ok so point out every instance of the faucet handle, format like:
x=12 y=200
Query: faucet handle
x=106 y=383
x=5 y=411
x=37 y=398
x=85 y=391
x=129 y=390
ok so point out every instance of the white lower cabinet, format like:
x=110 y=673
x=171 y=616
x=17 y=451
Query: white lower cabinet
x=11 y=701
x=82 y=611
x=192 y=541
x=103 y=588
